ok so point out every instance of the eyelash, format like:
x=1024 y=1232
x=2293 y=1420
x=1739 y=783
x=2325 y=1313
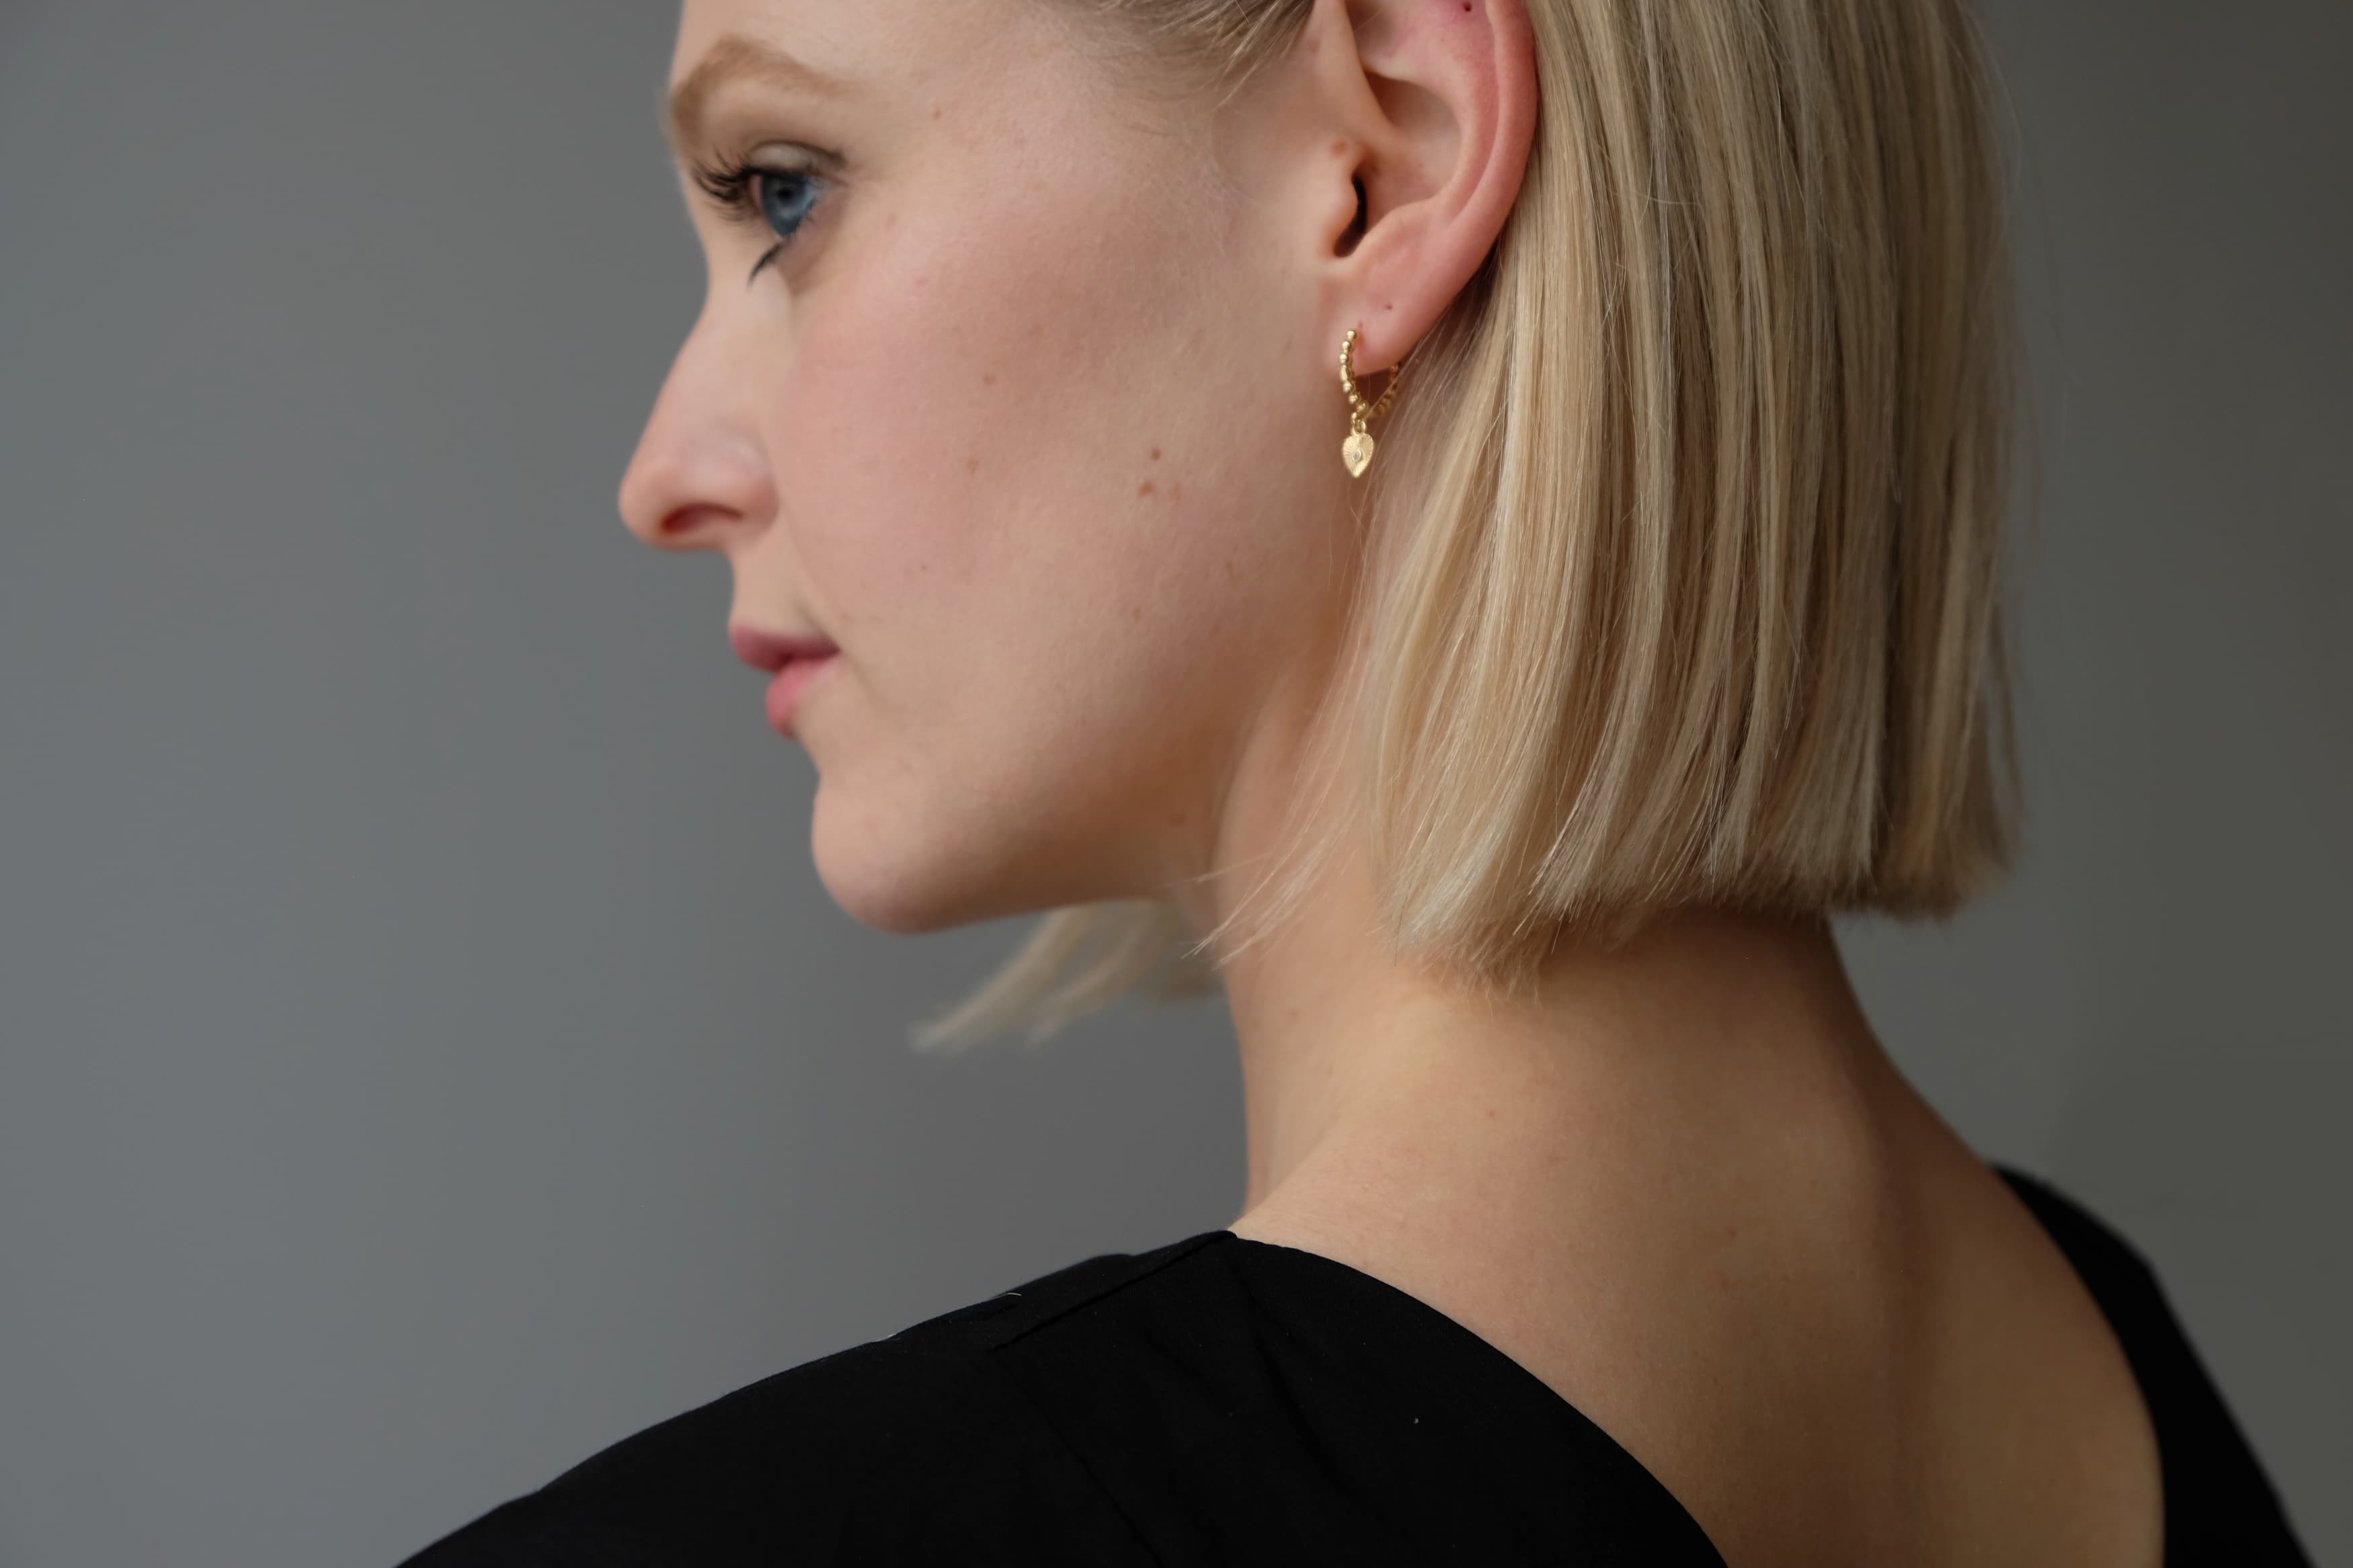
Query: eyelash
x=736 y=189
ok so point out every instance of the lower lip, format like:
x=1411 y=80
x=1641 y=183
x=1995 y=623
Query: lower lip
x=785 y=690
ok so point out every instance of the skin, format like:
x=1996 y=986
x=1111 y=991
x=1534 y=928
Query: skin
x=1036 y=418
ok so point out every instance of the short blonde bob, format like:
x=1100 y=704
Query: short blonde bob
x=1682 y=582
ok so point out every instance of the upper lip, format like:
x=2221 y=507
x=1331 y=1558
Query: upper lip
x=773 y=651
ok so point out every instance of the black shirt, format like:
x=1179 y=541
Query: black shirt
x=1223 y=1401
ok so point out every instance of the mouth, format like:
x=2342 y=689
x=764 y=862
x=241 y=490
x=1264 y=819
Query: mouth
x=794 y=661
x=791 y=685
x=772 y=651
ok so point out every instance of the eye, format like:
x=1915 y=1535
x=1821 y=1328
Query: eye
x=784 y=199
x=776 y=199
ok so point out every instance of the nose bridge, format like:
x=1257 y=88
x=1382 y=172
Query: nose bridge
x=699 y=468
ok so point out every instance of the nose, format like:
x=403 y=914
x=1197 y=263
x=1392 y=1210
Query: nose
x=699 y=477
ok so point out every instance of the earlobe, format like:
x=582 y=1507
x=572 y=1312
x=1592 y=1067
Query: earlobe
x=1440 y=95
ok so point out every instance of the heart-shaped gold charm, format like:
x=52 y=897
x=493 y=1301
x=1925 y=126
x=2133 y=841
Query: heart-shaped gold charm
x=1356 y=451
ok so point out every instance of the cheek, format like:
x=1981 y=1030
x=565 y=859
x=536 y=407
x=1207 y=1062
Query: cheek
x=1039 y=459
x=1004 y=456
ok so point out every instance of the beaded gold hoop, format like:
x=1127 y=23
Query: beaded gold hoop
x=1356 y=451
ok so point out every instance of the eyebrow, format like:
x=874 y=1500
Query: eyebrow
x=737 y=58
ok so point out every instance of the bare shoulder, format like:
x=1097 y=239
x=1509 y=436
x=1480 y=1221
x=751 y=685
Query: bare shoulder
x=2045 y=1449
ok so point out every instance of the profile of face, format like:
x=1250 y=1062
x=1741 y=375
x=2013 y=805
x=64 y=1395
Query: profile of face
x=1015 y=380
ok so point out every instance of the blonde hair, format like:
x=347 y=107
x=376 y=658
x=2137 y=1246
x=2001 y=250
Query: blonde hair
x=1683 y=582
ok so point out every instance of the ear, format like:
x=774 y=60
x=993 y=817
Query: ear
x=1436 y=103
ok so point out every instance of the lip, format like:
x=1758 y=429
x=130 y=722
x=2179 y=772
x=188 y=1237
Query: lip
x=792 y=682
x=794 y=661
x=772 y=651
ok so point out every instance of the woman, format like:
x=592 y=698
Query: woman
x=1473 y=526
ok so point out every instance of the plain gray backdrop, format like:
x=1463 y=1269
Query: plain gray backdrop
x=427 y=1054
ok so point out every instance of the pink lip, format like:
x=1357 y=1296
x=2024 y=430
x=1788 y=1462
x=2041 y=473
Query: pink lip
x=785 y=690
x=796 y=661
x=771 y=650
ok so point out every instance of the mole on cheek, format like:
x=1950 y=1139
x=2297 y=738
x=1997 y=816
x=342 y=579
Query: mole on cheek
x=1144 y=489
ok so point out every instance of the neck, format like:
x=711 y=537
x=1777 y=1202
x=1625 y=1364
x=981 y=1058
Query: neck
x=1665 y=1180
x=1369 y=1085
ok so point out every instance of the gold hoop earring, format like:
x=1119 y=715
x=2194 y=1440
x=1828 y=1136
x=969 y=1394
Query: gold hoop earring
x=1356 y=451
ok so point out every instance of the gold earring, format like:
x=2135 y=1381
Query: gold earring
x=1356 y=451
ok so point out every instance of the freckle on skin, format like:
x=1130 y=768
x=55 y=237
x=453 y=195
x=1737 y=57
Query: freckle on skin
x=1144 y=489
x=988 y=378
x=1156 y=453
x=972 y=464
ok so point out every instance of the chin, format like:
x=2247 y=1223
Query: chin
x=904 y=872
x=913 y=865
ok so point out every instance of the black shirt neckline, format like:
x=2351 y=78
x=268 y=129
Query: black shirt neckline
x=2036 y=1195
x=1507 y=1371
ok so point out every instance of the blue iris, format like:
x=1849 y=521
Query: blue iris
x=786 y=199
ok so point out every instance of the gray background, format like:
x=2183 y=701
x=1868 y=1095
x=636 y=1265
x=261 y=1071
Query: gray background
x=427 y=1054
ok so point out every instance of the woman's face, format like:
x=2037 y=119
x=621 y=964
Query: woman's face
x=1025 y=417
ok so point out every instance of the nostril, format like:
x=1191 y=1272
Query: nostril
x=684 y=526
